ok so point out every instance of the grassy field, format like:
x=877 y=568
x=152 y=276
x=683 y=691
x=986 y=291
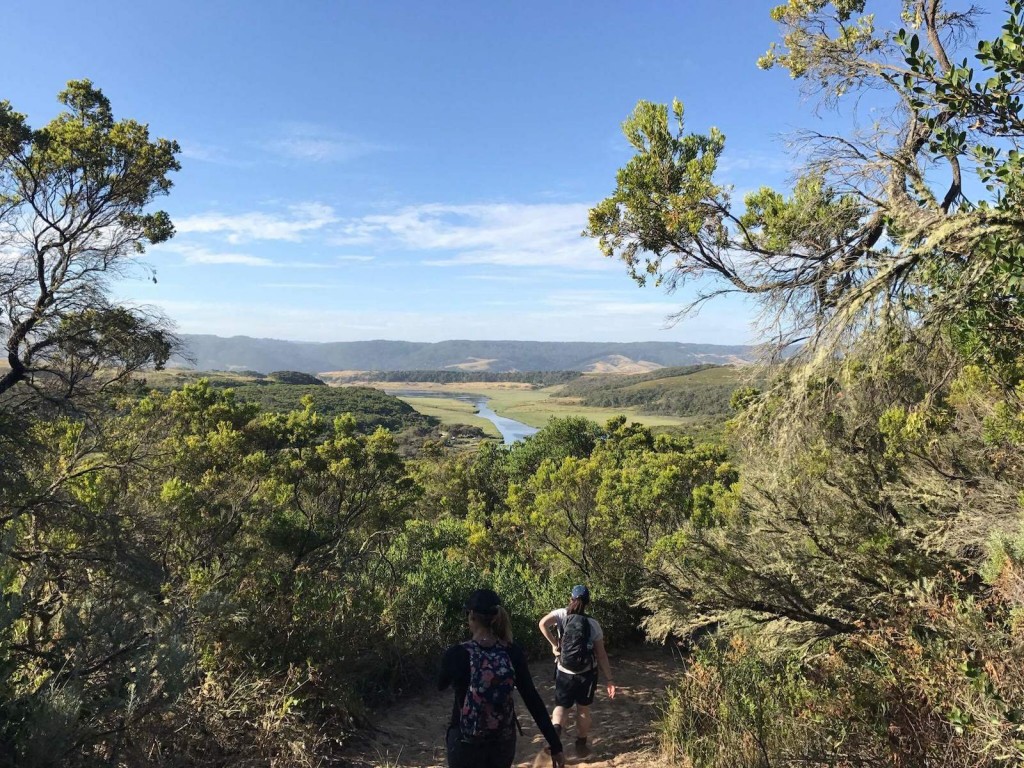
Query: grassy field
x=451 y=411
x=521 y=402
x=537 y=407
x=708 y=377
x=530 y=406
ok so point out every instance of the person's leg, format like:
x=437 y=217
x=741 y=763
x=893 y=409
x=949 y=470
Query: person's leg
x=582 y=721
x=584 y=694
x=501 y=755
x=455 y=750
x=564 y=699
x=582 y=730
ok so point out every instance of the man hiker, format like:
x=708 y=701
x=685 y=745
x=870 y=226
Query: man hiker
x=577 y=641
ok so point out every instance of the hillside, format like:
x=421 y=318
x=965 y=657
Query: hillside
x=702 y=390
x=370 y=407
x=207 y=352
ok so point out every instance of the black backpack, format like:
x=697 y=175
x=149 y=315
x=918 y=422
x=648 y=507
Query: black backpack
x=577 y=653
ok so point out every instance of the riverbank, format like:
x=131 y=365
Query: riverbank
x=534 y=407
x=465 y=408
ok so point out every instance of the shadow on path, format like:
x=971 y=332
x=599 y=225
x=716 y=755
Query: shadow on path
x=624 y=732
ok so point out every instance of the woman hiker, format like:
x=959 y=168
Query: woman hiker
x=577 y=641
x=483 y=671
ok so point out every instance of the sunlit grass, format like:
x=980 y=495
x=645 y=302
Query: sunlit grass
x=451 y=411
x=535 y=407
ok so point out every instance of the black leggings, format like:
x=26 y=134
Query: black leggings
x=488 y=754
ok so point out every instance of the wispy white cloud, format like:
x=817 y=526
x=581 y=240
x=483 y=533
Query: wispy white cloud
x=351 y=257
x=308 y=142
x=504 y=234
x=211 y=153
x=300 y=219
x=570 y=303
x=751 y=163
x=192 y=253
x=498 y=278
x=304 y=286
x=197 y=254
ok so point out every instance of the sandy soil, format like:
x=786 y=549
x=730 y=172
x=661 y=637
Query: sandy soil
x=412 y=733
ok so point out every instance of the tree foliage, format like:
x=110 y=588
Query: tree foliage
x=862 y=576
x=73 y=198
x=880 y=224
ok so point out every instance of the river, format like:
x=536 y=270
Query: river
x=512 y=431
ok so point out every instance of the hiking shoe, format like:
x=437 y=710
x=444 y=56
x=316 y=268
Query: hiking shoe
x=582 y=750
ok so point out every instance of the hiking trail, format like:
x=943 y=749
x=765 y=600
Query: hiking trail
x=623 y=735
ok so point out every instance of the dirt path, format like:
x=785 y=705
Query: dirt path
x=412 y=732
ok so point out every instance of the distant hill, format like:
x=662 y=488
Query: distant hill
x=621 y=364
x=699 y=390
x=265 y=355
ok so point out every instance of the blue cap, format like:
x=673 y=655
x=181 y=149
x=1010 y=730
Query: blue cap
x=580 y=591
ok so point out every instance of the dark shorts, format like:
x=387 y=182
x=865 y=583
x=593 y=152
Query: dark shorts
x=487 y=754
x=575 y=689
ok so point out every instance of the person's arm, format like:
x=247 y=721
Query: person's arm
x=449 y=666
x=531 y=698
x=545 y=625
x=606 y=669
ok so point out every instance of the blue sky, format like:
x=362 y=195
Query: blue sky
x=409 y=170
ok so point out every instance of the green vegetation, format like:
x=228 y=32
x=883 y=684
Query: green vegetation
x=371 y=408
x=862 y=584
x=537 y=407
x=211 y=572
x=536 y=378
x=295 y=377
x=88 y=179
x=701 y=390
x=452 y=411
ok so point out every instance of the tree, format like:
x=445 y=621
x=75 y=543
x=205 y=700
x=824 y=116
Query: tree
x=866 y=570
x=880 y=225
x=73 y=198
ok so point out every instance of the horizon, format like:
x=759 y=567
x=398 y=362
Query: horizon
x=470 y=341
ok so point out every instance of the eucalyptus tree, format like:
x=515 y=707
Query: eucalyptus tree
x=874 y=542
x=73 y=216
x=884 y=219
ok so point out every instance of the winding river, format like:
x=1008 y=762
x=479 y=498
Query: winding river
x=512 y=431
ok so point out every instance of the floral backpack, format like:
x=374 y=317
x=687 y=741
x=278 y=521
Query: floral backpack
x=487 y=711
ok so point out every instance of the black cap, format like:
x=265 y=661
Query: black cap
x=483 y=601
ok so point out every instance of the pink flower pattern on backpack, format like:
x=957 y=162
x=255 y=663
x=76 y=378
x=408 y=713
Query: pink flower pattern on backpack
x=487 y=711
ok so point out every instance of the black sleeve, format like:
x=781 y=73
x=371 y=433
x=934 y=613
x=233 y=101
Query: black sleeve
x=453 y=664
x=532 y=699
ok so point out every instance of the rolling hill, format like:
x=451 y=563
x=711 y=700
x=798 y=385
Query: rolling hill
x=700 y=390
x=207 y=352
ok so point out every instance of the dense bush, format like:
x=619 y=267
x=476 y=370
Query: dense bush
x=295 y=377
x=862 y=580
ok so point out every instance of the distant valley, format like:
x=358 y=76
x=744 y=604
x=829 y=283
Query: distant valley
x=237 y=353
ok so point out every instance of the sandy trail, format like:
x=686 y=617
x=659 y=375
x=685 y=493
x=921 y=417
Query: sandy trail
x=623 y=734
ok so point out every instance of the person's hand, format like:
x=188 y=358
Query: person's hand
x=610 y=687
x=557 y=760
x=554 y=650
